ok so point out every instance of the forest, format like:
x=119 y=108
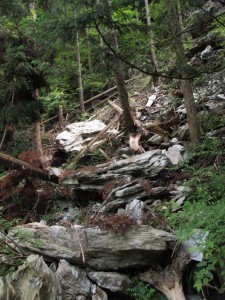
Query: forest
x=112 y=149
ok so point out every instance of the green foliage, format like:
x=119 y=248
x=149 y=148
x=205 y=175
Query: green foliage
x=23 y=235
x=205 y=151
x=205 y=210
x=219 y=27
x=143 y=291
x=20 y=143
x=57 y=208
x=92 y=159
x=54 y=99
x=10 y=258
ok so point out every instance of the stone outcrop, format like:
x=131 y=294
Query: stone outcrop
x=76 y=135
x=112 y=281
x=32 y=281
x=122 y=174
x=74 y=282
x=102 y=250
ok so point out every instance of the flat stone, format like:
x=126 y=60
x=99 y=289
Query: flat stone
x=103 y=250
x=115 y=282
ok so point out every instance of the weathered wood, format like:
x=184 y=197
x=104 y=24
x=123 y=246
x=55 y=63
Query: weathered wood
x=169 y=280
x=104 y=154
x=116 y=107
x=27 y=169
x=134 y=142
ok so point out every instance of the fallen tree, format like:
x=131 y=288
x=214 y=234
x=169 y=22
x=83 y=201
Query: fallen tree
x=25 y=168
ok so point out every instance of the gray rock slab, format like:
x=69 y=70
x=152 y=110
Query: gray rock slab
x=74 y=282
x=124 y=171
x=103 y=250
x=32 y=281
x=112 y=281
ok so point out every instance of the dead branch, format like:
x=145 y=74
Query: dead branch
x=134 y=142
x=100 y=134
x=157 y=127
x=104 y=154
x=116 y=107
x=4 y=135
x=25 y=168
x=140 y=125
x=81 y=247
x=94 y=140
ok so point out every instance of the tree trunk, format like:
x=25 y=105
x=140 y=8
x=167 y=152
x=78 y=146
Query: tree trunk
x=123 y=96
x=80 y=84
x=121 y=87
x=152 y=47
x=36 y=132
x=186 y=85
x=169 y=280
x=36 y=140
x=89 y=51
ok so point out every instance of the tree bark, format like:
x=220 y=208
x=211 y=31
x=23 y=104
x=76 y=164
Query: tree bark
x=36 y=140
x=25 y=168
x=152 y=47
x=80 y=84
x=169 y=280
x=36 y=132
x=123 y=96
x=186 y=85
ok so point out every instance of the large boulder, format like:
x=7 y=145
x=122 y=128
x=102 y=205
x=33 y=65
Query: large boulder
x=76 y=135
x=140 y=246
x=74 y=282
x=112 y=281
x=122 y=175
x=32 y=281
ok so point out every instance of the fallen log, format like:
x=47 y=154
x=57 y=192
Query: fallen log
x=25 y=168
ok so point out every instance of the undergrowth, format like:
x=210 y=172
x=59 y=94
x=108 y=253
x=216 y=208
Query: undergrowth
x=143 y=291
x=10 y=258
x=205 y=210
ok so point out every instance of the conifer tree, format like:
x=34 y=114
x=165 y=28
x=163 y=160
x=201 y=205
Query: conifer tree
x=186 y=85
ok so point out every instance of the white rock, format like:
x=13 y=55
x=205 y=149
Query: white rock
x=205 y=53
x=182 y=109
x=135 y=209
x=174 y=140
x=115 y=282
x=191 y=246
x=151 y=100
x=98 y=294
x=32 y=280
x=220 y=97
x=74 y=282
x=174 y=154
x=76 y=135
x=55 y=171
